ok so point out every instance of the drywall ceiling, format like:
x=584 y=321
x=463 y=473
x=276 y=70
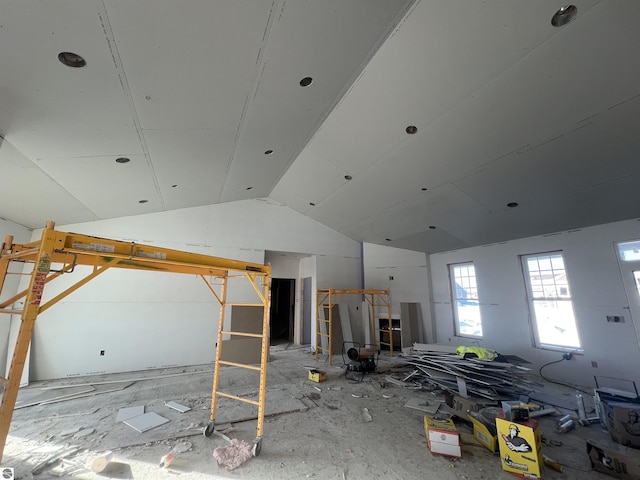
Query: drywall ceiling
x=204 y=99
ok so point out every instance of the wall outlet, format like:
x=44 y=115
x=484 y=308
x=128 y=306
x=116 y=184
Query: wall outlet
x=594 y=364
x=390 y=277
x=102 y=353
x=615 y=319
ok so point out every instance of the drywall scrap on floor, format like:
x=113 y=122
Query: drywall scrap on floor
x=146 y=421
x=334 y=418
x=61 y=394
x=49 y=395
x=423 y=405
x=435 y=365
x=177 y=406
x=129 y=412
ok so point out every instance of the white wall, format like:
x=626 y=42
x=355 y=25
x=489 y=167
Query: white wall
x=410 y=272
x=596 y=287
x=148 y=320
x=10 y=288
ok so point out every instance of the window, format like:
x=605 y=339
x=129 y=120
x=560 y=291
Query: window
x=550 y=301
x=629 y=251
x=464 y=294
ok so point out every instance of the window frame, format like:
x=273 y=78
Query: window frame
x=453 y=287
x=531 y=303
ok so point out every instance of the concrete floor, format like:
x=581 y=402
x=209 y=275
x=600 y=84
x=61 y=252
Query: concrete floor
x=307 y=433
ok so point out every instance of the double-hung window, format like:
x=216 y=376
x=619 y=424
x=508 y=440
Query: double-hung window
x=464 y=295
x=550 y=303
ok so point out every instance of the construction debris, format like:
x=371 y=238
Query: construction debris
x=422 y=405
x=145 y=422
x=466 y=376
x=366 y=416
x=233 y=455
x=176 y=406
x=54 y=460
x=166 y=460
x=101 y=462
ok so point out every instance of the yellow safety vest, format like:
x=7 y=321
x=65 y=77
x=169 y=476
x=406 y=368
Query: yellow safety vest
x=482 y=353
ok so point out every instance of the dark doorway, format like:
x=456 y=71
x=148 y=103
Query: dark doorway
x=281 y=312
x=306 y=311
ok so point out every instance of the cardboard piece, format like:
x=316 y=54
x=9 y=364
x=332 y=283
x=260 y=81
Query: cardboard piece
x=317 y=376
x=442 y=436
x=483 y=435
x=461 y=406
x=623 y=422
x=520 y=448
x=613 y=459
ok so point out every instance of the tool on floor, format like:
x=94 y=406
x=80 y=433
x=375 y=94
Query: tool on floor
x=362 y=358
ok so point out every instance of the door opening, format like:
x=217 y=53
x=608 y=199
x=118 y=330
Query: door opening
x=281 y=313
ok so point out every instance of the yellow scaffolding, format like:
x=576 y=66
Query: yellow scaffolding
x=327 y=298
x=67 y=250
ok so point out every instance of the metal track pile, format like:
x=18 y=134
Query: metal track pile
x=488 y=379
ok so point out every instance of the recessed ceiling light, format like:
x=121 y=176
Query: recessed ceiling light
x=268 y=152
x=71 y=59
x=249 y=188
x=348 y=177
x=312 y=204
x=432 y=227
x=564 y=15
x=306 y=81
x=122 y=160
x=143 y=201
x=512 y=204
x=424 y=189
x=411 y=129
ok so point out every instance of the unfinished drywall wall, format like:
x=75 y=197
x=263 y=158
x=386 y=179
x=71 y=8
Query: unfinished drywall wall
x=406 y=274
x=610 y=349
x=307 y=270
x=336 y=272
x=142 y=320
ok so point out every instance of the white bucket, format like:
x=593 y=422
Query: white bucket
x=101 y=462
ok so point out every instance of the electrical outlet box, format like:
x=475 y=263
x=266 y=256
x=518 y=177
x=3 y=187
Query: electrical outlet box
x=615 y=319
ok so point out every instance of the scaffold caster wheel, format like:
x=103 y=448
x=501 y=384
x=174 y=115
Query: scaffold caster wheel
x=208 y=430
x=257 y=446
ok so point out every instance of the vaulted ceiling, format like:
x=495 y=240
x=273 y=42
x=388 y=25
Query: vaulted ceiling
x=423 y=121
